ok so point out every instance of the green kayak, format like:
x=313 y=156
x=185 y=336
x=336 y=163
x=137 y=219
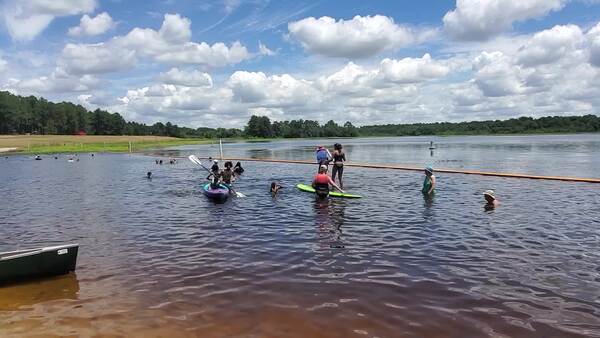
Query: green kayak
x=308 y=188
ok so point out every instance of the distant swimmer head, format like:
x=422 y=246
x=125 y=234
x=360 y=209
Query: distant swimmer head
x=429 y=169
x=489 y=195
x=149 y=174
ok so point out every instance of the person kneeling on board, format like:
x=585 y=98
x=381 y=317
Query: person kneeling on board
x=322 y=181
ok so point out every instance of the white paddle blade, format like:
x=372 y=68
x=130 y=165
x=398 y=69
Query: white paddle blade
x=194 y=159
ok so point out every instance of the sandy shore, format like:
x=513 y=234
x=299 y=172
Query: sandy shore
x=6 y=150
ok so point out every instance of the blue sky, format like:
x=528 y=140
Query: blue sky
x=215 y=63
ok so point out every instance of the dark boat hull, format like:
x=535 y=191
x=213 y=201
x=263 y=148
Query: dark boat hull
x=45 y=262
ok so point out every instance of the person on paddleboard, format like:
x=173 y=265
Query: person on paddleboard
x=490 y=199
x=338 y=163
x=322 y=181
x=429 y=182
x=323 y=156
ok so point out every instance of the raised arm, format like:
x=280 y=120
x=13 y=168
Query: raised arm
x=335 y=185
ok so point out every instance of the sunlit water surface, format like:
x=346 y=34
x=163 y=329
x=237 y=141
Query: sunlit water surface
x=158 y=259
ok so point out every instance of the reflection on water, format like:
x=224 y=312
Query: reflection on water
x=329 y=219
x=159 y=259
x=22 y=296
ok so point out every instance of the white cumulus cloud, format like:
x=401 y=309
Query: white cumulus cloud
x=479 y=20
x=355 y=38
x=27 y=19
x=97 y=25
x=594 y=41
x=194 y=78
x=58 y=82
x=550 y=45
x=496 y=75
x=95 y=58
x=276 y=90
x=170 y=44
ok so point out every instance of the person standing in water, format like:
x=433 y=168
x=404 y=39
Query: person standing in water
x=323 y=156
x=322 y=181
x=490 y=199
x=429 y=182
x=275 y=188
x=237 y=169
x=338 y=163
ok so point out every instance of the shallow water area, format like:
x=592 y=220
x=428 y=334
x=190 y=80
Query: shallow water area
x=159 y=259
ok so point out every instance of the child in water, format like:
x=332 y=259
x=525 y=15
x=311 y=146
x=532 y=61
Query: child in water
x=429 y=182
x=275 y=188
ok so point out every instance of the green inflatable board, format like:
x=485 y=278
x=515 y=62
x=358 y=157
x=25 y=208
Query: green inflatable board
x=308 y=188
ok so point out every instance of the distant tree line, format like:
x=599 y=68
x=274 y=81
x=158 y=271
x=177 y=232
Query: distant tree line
x=261 y=126
x=522 y=125
x=22 y=115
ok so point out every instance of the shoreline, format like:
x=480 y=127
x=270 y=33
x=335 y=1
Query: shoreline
x=60 y=144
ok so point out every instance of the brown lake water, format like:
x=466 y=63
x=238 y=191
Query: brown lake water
x=157 y=259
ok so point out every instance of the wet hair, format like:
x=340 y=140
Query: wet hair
x=238 y=164
x=228 y=164
x=337 y=146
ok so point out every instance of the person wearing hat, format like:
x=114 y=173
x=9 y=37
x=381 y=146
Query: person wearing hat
x=214 y=170
x=429 y=182
x=490 y=199
x=323 y=156
x=322 y=181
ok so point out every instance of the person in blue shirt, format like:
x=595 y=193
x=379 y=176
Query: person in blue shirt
x=323 y=156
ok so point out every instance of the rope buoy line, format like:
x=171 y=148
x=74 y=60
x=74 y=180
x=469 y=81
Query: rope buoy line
x=447 y=171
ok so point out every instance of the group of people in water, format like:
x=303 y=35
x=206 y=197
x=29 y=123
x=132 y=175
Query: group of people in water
x=322 y=181
x=226 y=176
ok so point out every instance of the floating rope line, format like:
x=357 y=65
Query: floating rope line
x=448 y=171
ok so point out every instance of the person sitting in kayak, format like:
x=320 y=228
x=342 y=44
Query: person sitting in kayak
x=322 y=181
x=215 y=183
x=429 y=182
x=227 y=175
x=238 y=170
x=338 y=163
x=323 y=156
x=214 y=170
